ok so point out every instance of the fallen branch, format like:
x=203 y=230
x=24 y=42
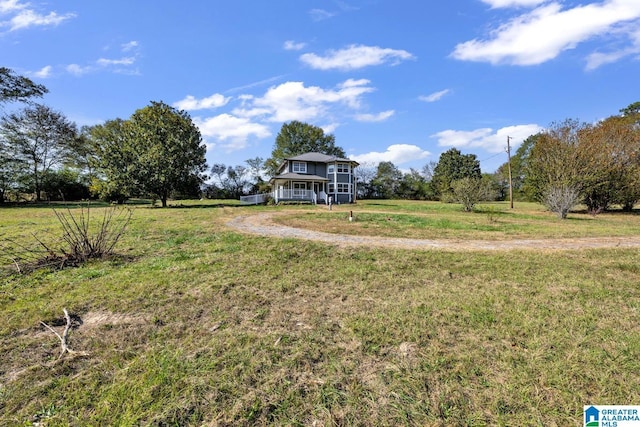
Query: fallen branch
x=63 y=339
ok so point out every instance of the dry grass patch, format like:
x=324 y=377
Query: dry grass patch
x=211 y=327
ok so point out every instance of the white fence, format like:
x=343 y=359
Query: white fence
x=254 y=199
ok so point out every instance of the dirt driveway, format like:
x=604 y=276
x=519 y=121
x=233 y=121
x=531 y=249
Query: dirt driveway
x=262 y=224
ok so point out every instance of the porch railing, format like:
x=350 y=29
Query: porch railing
x=295 y=194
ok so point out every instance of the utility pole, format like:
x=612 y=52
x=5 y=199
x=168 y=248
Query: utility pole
x=509 y=165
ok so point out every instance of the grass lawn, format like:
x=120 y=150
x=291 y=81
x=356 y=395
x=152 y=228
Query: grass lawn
x=199 y=325
x=434 y=220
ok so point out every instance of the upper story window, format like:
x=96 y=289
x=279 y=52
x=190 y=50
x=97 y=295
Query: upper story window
x=339 y=167
x=299 y=167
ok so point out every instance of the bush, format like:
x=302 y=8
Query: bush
x=560 y=199
x=469 y=191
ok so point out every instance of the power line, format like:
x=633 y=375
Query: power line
x=489 y=158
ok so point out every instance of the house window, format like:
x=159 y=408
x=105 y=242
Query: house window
x=341 y=187
x=300 y=167
x=343 y=168
x=340 y=167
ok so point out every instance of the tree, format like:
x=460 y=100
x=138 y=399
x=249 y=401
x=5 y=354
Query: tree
x=10 y=172
x=632 y=110
x=415 y=186
x=387 y=181
x=114 y=156
x=557 y=161
x=255 y=169
x=14 y=87
x=560 y=198
x=365 y=174
x=297 y=138
x=613 y=147
x=157 y=151
x=469 y=191
x=452 y=166
x=39 y=138
x=518 y=170
x=236 y=181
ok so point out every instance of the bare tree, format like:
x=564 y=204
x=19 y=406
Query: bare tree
x=560 y=199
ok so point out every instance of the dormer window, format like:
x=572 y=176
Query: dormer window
x=299 y=167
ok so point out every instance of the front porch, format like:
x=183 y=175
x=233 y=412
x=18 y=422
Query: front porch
x=299 y=195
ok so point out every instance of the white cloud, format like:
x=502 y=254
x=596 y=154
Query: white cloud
x=190 y=103
x=330 y=128
x=7 y=6
x=103 y=62
x=127 y=47
x=542 y=34
x=44 y=72
x=78 y=70
x=295 y=101
x=26 y=18
x=123 y=65
x=486 y=138
x=320 y=14
x=597 y=59
x=253 y=116
x=235 y=131
x=397 y=154
x=291 y=45
x=354 y=57
x=496 y=4
x=380 y=117
x=436 y=96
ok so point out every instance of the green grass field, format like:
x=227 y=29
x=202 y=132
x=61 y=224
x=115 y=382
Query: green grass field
x=196 y=324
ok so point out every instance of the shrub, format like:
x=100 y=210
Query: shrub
x=469 y=191
x=560 y=199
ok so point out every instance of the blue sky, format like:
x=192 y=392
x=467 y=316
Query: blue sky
x=399 y=81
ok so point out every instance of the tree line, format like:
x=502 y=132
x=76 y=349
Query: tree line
x=158 y=153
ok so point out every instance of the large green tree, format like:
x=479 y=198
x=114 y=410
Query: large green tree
x=297 y=138
x=39 y=139
x=452 y=166
x=387 y=181
x=14 y=87
x=114 y=158
x=157 y=151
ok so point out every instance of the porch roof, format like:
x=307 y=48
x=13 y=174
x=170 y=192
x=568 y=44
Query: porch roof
x=298 y=177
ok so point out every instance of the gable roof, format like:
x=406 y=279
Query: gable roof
x=319 y=157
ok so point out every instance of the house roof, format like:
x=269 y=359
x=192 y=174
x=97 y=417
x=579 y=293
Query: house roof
x=299 y=177
x=319 y=157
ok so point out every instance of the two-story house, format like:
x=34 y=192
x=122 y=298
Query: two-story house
x=315 y=177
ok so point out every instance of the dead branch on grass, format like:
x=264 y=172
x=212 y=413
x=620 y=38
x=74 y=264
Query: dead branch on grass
x=63 y=338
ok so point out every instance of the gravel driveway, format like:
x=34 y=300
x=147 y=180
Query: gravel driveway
x=262 y=224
